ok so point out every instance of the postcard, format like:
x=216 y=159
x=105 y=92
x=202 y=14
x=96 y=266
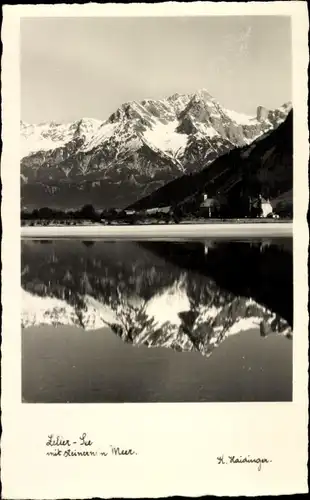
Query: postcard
x=154 y=255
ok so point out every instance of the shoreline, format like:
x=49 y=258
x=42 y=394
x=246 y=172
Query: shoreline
x=162 y=232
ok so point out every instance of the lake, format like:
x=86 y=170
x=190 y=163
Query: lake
x=165 y=321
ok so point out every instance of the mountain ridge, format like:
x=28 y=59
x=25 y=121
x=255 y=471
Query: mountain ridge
x=140 y=147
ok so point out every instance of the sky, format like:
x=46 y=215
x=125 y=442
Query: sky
x=87 y=67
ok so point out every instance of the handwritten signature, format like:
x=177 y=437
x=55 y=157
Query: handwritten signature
x=233 y=459
x=83 y=446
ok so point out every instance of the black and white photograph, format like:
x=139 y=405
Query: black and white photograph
x=156 y=209
x=154 y=254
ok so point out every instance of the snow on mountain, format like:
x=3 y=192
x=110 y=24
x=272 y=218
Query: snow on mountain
x=38 y=310
x=102 y=133
x=43 y=137
x=242 y=325
x=48 y=136
x=96 y=315
x=165 y=137
x=141 y=146
x=240 y=118
x=167 y=305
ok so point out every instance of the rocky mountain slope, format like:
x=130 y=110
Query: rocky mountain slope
x=141 y=147
x=264 y=167
x=142 y=297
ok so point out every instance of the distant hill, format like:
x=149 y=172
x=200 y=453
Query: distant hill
x=265 y=167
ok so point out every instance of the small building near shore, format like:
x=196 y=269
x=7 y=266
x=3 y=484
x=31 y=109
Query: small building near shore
x=265 y=205
x=266 y=208
x=212 y=205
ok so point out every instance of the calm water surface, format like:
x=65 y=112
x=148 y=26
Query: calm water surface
x=156 y=321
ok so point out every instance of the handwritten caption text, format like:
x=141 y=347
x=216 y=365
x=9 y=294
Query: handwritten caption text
x=83 y=446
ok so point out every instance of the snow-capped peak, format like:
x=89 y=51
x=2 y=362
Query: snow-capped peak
x=52 y=135
x=204 y=95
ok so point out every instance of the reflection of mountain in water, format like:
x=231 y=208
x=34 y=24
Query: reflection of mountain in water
x=162 y=295
x=262 y=270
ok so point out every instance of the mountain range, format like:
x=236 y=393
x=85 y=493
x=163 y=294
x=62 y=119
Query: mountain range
x=141 y=147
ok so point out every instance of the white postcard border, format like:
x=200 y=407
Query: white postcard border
x=177 y=445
